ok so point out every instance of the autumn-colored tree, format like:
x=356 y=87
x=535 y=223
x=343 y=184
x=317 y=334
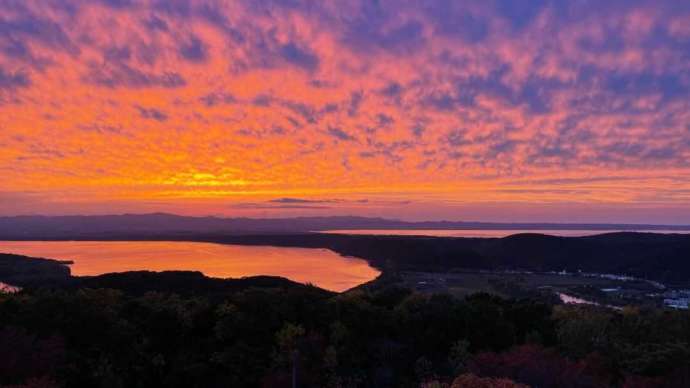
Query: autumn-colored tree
x=36 y=382
x=642 y=382
x=459 y=356
x=533 y=365
x=469 y=380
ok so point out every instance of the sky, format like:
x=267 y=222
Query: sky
x=563 y=111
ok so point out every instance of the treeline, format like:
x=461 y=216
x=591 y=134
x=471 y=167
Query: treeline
x=139 y=332
x=661 y=257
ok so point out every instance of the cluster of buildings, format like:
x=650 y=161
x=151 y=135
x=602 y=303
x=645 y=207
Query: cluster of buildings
x=677 y=299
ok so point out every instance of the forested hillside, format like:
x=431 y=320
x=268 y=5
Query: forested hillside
x=140 y=332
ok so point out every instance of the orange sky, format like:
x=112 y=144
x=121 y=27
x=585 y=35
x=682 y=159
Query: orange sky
x=554 y=111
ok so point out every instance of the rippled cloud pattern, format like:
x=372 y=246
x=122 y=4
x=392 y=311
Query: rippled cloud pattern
x=421 y=109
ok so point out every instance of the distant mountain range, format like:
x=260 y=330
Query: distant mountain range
x=23 y=227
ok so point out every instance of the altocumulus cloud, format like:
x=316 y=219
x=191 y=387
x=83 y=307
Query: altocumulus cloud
x=338 y=95
x=152 y=113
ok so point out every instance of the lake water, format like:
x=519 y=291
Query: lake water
x=321 y=267
x=569 y=299
x=485 y=233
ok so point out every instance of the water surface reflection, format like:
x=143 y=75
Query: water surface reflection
x=321 y=267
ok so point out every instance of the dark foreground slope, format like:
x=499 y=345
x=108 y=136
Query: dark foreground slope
x=187 y=283
x=117 y=336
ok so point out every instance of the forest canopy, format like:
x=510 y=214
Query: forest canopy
x=261 y=333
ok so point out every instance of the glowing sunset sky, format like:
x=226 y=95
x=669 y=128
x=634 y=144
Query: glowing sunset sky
x=485 y=110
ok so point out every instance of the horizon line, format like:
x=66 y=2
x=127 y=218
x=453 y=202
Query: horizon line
x=383 y=219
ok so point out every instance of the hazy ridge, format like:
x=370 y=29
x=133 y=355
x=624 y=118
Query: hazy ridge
x=23 y=227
